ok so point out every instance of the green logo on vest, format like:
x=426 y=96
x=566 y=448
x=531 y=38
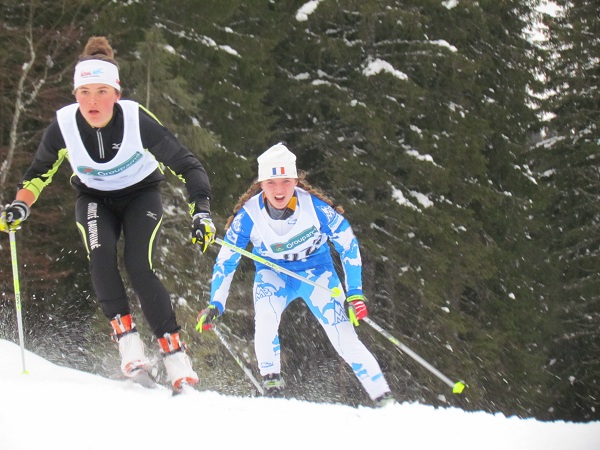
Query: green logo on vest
x=294 y=242
x=113 y=171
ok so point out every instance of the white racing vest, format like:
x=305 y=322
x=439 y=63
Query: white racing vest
x=131 y=164
x=300 y=241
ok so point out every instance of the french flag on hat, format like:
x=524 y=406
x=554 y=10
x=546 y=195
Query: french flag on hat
x=277 y=162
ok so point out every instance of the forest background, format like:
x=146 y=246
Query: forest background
x=463 y=148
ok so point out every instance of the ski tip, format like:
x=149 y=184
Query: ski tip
x=182 y=388
x=144 y=379
x=139 y=376
x=175 y=392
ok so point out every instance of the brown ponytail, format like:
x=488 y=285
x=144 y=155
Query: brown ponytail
x=97 y=47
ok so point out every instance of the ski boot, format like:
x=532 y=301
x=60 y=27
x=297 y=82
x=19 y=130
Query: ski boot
x=177 y=362
x=134 y=364
x=273 y=385
x=384 y=400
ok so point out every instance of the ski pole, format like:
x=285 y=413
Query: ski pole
x=457 y=387
x=335 y=291
x=15 y=269
x=238 y=360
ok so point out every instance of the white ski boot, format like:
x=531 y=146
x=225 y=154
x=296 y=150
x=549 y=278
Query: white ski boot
x=134 y=363
x=177 y=362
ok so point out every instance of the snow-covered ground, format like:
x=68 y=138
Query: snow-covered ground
x=57 y=407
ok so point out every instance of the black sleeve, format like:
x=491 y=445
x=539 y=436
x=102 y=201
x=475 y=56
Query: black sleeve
x=167 y=150
x=49 y=155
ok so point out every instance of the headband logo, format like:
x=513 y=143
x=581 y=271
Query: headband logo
x=91 y=73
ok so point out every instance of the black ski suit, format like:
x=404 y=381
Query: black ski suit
x=136 y=211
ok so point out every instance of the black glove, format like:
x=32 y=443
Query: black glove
x=206 y=317
x=13 y=215
x=203 y=230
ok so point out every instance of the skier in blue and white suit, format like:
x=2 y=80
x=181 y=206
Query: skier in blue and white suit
x=289 y=223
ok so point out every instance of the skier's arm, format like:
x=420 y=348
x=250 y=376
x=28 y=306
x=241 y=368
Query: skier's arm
x=228 y=260
x=49 y=156
x=167 y=149
x=345 y=243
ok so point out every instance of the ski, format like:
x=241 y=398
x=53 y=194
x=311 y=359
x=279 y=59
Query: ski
x=183 y=388
x=143 y=376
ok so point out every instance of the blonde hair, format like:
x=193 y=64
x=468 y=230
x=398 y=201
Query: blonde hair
x=302 y=183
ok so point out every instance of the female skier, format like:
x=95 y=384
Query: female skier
x=115 y=148
x=289 y=223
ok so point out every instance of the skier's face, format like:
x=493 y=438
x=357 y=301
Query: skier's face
x=279 y=191
x=96 y=103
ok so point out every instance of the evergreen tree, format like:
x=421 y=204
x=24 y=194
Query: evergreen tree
x=569 y=164
x=41 y=40
x=414 y=115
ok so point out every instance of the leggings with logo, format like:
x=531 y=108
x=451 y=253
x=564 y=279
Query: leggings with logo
x=273 y=292
x=137 y=216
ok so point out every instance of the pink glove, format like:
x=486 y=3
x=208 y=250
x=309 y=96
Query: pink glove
x=357 y=308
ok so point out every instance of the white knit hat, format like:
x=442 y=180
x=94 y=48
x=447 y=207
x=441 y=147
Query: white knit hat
x=94 y=71
x=277 y=162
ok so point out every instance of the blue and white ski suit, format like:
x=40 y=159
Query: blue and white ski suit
x=298 y=243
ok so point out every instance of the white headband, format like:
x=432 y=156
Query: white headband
x=277 y=162
x=94 y=71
